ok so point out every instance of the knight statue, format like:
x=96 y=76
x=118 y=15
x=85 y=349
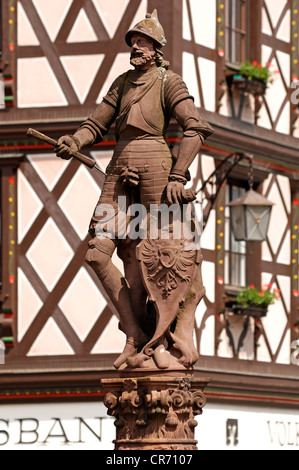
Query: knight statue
x=157 y=299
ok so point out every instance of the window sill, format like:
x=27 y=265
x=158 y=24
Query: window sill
x=232 y=67
x=231 y=293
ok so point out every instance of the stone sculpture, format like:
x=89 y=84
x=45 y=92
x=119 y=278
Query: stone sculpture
x=157 y=298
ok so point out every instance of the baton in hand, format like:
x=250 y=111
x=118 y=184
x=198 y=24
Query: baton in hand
x=79 y=156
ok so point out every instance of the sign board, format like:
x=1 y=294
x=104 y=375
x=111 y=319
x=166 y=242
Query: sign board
x=86 y=426
x=56 y=426
x=224 y=427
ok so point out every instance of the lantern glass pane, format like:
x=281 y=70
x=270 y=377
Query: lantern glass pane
x=257 y=222
x=238 y=222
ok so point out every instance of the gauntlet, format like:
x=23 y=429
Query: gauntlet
x=68 y=143
x=65 y=145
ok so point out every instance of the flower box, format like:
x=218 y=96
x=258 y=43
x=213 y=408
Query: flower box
x=254 y=311
x=249 y=77
x=253 y=302
x=239 y=82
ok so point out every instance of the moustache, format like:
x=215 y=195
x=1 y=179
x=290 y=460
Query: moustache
x=137 y=54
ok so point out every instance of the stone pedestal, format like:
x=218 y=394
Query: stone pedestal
x=155 y=412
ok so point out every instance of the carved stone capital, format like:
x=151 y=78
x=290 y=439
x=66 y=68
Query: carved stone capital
x=155 y=413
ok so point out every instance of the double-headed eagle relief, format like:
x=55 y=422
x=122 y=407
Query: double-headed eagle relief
x=157 y=298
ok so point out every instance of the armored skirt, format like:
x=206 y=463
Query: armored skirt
x=152 y=161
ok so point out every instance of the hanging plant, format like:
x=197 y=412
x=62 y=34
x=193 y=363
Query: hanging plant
x=250 y=77
x=252 y=296
x=251 y=301
x=254 y=70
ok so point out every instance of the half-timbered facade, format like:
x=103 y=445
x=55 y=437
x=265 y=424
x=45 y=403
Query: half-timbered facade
x=57 y=59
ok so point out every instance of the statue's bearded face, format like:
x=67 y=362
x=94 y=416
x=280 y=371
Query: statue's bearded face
x=143 y=51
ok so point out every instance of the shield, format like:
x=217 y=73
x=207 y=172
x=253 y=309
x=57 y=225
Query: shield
x=168 y=268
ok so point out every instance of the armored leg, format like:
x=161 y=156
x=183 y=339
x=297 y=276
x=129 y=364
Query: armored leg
x=127 y=253
x=99 y=258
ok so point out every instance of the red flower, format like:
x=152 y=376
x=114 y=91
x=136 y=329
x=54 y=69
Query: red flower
x=11 y=180
x=254 y=62
x=296 y=293
x=11 y=279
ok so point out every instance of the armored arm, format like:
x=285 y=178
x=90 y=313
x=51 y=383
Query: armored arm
x=180 y=105
x=97 y=125
x=195 y=129
x=90 y=131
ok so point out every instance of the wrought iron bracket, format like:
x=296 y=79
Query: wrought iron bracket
x=221 y=174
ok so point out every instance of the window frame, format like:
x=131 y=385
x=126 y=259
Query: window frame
x=230 y=253
x=254 y=32
x=237 y=31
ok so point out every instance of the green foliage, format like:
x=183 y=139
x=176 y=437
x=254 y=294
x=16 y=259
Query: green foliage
x=255 y=70
x=252 y=296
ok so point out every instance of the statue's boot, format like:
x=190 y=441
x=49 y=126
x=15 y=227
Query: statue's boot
x=99 y=258
x=131 y=349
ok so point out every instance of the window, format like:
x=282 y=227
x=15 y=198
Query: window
x=237 y=30
x=235 y=252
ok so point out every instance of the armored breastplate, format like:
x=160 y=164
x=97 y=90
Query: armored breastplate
x=141 y=105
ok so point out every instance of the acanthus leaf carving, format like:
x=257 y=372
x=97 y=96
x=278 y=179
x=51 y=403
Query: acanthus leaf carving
x=154 y=412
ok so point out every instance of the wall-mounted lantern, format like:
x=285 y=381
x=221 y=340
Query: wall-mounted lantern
x=250 y=217
x=250 y=214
